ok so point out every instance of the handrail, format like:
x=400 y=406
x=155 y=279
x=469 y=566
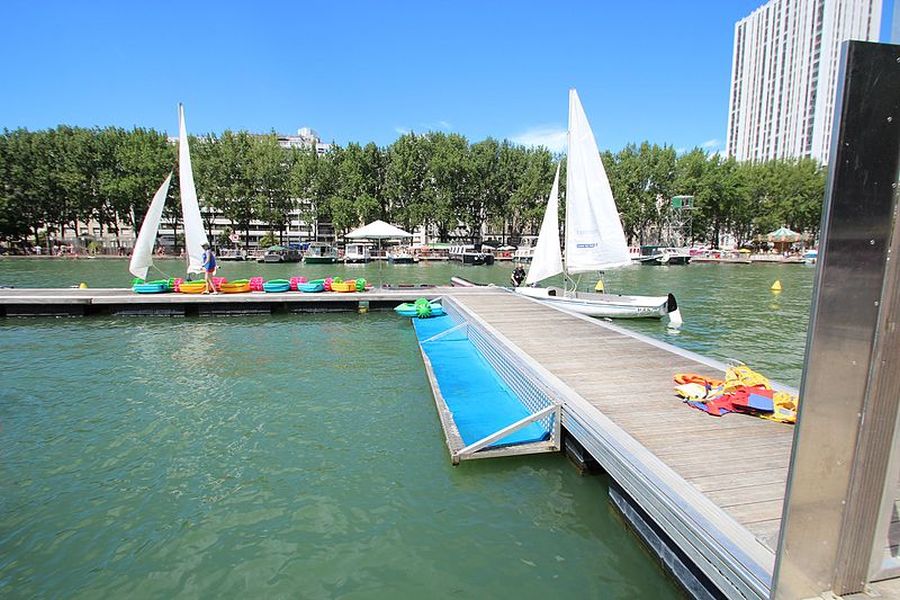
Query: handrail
x=438 y=336
x=498 y=435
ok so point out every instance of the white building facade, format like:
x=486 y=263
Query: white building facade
x=784 y=75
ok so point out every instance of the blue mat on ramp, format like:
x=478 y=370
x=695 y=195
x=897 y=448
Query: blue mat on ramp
x=480 y=400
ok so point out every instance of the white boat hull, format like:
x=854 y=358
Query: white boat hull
x=602 y=305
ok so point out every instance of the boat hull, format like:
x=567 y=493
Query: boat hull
x=319 y=260
x=610 y=306
x=657 y=260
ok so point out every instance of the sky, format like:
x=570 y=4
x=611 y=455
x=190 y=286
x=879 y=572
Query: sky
x=656 y=70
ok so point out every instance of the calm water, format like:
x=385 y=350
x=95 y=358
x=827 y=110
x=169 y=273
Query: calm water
x=295 y=456
x=300 y=455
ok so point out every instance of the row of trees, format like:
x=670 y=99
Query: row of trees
x=54 y=179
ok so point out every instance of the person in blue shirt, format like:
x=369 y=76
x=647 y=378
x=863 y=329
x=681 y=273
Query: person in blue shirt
x=209 y=268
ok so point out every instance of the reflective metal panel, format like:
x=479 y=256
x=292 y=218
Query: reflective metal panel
x=828 y=484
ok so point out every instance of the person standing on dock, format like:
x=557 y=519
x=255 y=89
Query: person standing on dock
x=209 y=268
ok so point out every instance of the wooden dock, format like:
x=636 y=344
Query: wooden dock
x=714 y=486
x=21 y=302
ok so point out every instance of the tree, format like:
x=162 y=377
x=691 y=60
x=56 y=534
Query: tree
x=405 y=178
x=224 y=168
x=271 y=183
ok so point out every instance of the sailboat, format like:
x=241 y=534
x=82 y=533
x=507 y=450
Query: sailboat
x=194 y=234
x=594 y=239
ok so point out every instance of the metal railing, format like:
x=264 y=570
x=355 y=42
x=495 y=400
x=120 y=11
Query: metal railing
x=544 y=408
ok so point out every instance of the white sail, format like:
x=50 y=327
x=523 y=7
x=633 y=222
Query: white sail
x=547 y=260
x=194 y=234
x=142 y=256
x=594 y=237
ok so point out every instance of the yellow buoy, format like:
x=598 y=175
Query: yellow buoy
x=599 y=287
x=82 y=286
x=776 y=287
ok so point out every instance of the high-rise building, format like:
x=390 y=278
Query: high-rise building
x=784 y=75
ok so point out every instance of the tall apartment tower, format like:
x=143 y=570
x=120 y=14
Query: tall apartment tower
x=784 y=75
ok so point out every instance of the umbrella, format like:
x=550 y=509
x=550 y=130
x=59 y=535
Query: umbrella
x=378 y=230
x=783 y=234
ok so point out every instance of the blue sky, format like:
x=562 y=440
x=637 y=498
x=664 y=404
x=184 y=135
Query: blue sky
x=368 y=71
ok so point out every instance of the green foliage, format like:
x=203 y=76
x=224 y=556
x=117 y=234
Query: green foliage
x=267 y=240
x=53 y=178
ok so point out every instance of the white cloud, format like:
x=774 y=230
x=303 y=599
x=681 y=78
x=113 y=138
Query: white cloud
x=708 y=144
x=551 y=137
x=445 y=125
x=401 y=130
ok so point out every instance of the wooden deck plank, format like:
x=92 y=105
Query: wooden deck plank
x=630 y=381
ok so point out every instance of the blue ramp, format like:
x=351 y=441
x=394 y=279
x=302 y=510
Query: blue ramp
x=479 y=399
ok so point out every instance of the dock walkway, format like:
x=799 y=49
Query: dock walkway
x=714 y=485
x=16 y=302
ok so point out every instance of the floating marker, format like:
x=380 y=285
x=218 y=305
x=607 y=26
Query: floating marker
x=599 y=287
x=82 y=286
x=776 y=287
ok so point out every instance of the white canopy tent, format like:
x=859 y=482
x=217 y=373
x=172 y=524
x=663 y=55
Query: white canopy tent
x=378 y=230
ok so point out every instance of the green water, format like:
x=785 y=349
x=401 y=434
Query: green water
x=292 y=456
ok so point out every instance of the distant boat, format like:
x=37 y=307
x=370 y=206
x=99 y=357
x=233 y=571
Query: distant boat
x=320 y=253
x=279 y=254
x=594 y=239
x=232 y=256
x=358 y=252
x=659 y=255
x=401 y=257
x=194 y=234
x=468 y=255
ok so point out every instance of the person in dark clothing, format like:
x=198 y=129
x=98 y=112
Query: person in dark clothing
x=518 y=276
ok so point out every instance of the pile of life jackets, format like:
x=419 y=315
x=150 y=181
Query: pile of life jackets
x=743 y=390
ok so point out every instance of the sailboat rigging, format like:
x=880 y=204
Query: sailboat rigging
x=194 y=234
x=594 y=238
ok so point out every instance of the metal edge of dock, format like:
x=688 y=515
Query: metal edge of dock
x=724 y=551
x=43 y=302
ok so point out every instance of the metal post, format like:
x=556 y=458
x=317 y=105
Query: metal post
x=850 y=391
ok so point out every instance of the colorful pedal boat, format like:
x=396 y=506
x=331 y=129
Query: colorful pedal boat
x=152 y=287
x=312 y=287
x=238 y=286
x=410 y=309
x=192 y=287
x=343 y=286
x=277 y=286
